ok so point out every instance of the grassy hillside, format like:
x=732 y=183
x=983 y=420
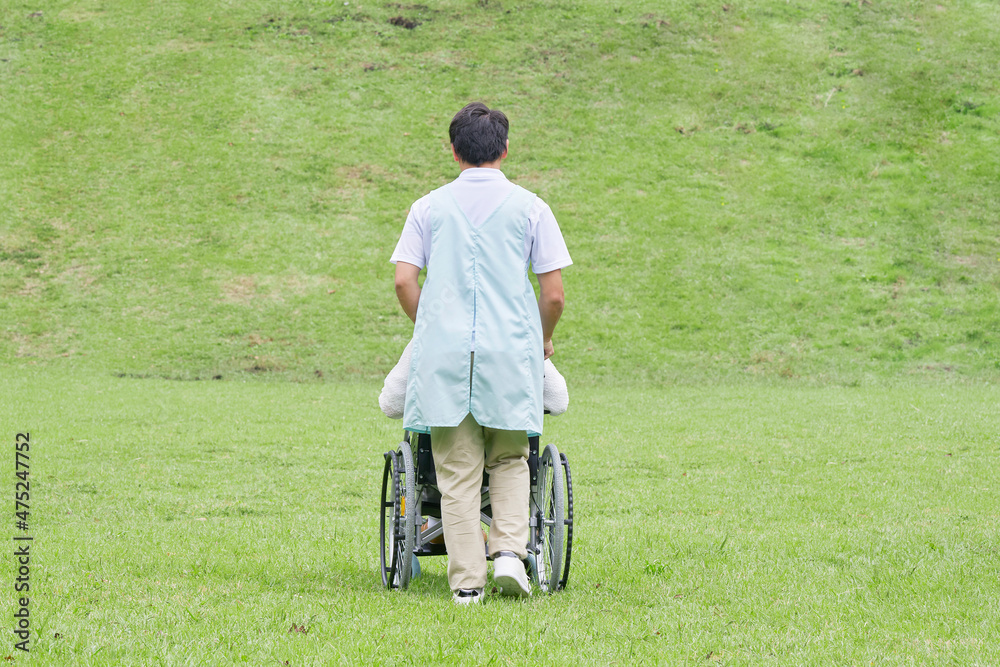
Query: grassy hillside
x=782 y=188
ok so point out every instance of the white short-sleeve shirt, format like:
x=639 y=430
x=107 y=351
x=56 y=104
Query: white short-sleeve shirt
x=479 y=191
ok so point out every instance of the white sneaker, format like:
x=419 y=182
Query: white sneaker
x=468 y=596
x=509 y=575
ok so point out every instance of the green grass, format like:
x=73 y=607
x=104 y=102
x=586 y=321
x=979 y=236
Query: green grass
x=780 y=333
x=785 y=189
x=197 y=523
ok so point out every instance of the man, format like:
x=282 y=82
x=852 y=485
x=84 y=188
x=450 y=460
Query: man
x=479 y=342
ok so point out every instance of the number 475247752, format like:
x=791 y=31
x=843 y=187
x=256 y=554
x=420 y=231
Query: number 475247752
x=22 y=468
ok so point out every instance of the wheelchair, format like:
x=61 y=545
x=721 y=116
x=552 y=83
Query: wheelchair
x=411 y=499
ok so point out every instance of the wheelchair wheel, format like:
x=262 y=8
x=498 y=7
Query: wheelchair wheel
x=569 y=521
x=548 y=510
x=398 y=526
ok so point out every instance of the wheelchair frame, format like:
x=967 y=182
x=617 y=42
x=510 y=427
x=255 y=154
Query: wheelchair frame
x=410 y=496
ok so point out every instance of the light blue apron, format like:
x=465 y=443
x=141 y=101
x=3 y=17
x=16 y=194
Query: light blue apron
x=477 y=280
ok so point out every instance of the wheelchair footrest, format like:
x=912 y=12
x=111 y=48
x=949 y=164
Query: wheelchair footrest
x=430 y=550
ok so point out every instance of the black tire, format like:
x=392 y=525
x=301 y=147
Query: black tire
x=548 y=511
x=569 y=521
x=389 y=521
x=398 y=518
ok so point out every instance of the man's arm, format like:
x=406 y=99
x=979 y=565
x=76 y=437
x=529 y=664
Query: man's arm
x=407 y=288
x=550 y=304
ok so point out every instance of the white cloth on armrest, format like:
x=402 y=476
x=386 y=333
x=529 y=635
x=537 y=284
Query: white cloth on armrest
x=555 y=396
x=393 y=396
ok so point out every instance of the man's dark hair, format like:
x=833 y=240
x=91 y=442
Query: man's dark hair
x=479 y=133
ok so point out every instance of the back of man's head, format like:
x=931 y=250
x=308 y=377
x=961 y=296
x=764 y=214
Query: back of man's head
x=479 y=133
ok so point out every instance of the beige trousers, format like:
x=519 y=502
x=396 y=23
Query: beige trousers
x=460 y=453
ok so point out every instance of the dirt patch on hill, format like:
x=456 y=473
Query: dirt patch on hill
x=241 y=289
x=404 y=22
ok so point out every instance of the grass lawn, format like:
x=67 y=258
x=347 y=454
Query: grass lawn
x=227 y=523
x=780 y=336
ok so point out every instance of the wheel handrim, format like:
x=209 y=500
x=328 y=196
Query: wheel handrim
x=390 y=516
x=405 y=515
x=551 y=519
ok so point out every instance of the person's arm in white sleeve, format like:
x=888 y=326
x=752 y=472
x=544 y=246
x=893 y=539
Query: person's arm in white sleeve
x=407 y=288
x=548 y=248
x=551 y=301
